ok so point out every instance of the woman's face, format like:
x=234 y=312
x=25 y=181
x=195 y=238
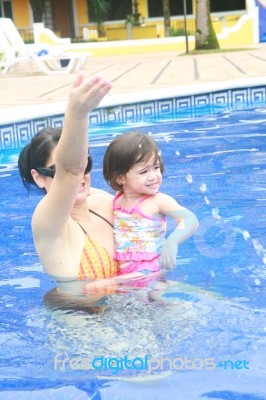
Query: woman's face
x=84 y=188
x=45 y=182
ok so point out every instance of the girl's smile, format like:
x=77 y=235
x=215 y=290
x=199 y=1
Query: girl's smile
x=143 y=178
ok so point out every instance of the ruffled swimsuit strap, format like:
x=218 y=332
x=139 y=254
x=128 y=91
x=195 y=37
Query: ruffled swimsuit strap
x=116 y=198
x=136 y=206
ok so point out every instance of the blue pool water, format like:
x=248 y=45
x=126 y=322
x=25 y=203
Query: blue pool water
x=215 y=166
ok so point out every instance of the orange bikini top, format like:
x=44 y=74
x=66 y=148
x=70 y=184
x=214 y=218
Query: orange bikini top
x=95 y=261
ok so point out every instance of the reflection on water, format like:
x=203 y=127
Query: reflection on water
x=128 y=326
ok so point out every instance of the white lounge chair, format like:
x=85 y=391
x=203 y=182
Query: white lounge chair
x=7 y=54
x=43 y=35
x=50 y=60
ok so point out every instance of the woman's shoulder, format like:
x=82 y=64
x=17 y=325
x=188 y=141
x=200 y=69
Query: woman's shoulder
x=101 y=203
x=99 y=198
x=95 y=191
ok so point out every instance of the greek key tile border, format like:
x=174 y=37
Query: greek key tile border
x=13 y=136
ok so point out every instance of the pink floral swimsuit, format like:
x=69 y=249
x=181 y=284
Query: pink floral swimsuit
x=138 y=238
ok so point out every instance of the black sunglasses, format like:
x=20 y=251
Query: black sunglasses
x=50 y=171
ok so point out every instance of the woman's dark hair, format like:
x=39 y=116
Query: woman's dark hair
x=125 y=151
x=36 y=153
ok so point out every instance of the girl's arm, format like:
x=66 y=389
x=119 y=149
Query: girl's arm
x=187 y=223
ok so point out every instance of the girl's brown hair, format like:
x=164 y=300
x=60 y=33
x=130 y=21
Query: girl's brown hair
x=125 y=151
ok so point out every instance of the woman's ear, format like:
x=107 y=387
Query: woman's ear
x=38 y=179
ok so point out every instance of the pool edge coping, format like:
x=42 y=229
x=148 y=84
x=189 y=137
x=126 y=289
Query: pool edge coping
x=25 y=112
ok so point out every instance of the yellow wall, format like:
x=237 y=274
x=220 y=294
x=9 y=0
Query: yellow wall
x=143 y=8
x=81 y=10
x=138 y=32
x=194 y=2
x=21 y=13
x=22 y=19
x=124 y=48
x=242 y=36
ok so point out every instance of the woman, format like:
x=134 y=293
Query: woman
x=72 y=224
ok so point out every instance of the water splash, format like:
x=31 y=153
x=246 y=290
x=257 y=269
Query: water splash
x=216 y=213
x=189 y=178
x=207 y=201
x=203 y=187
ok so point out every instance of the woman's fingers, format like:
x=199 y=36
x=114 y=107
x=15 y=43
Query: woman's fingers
x=86 y=94
x=95 y=84
x=97 y=92
x=91 y=92
x=79 y=79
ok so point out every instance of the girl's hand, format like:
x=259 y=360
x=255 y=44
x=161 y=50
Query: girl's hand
x=167 y=259
x=85 y=95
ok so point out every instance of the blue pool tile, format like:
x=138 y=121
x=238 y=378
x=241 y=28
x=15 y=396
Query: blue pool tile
x=16 y=135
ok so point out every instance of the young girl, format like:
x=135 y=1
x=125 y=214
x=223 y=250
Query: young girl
x=133 y=166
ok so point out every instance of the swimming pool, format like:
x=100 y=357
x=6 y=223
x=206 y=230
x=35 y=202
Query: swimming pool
x=208 y=339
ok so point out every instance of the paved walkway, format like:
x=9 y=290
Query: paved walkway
x=134 y=73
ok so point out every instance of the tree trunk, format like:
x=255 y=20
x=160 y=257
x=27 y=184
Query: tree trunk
x=205 y=37
x=167 y=20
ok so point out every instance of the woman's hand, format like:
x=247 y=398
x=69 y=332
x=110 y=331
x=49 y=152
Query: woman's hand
x=72 y=149
x=85 y=95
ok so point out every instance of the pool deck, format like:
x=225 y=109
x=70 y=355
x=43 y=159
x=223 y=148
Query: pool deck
x=153 y=73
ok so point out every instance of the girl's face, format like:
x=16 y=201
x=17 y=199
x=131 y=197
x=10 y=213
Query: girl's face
x=144 y=177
